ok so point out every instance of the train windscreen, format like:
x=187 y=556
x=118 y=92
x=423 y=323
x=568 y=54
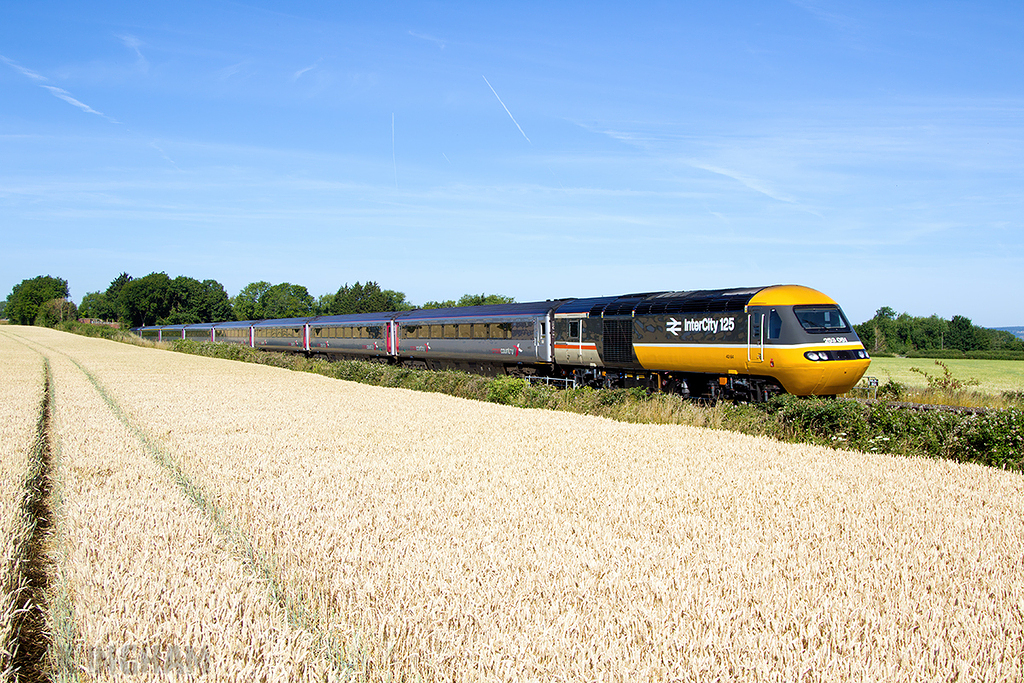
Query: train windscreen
x=821 y=319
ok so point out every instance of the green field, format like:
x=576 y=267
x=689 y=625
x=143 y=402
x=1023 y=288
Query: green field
x=996 y=376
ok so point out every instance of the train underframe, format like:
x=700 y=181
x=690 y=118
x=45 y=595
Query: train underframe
x=704 y=386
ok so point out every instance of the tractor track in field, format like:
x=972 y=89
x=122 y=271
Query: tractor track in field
x=30 y=563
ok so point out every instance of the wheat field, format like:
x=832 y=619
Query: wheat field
x=394 y=535
x=20 y=395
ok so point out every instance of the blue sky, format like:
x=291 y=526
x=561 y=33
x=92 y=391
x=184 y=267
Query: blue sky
x=540 y=150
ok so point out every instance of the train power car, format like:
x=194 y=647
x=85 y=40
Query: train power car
x=744 y=343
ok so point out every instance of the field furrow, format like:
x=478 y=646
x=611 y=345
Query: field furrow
x=468 y=541
x=21 y=393
x=146 y=584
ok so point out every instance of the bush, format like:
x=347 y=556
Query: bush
x=89 y=330
x=892 y=390
x=993 y=438
x=506 y=390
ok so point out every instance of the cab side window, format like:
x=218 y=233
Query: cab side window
x=774 y=325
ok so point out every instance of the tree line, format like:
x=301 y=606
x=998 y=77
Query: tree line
x=900 y=334
x=157 y=299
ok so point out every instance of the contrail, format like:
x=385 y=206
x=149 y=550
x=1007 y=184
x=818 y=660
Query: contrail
x=54 y=90
x=26 y=72
x=66 y=96
x=506 y=109
x=393 y=162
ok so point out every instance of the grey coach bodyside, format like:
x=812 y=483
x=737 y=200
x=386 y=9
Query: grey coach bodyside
x=502 y=334
x=367 y=335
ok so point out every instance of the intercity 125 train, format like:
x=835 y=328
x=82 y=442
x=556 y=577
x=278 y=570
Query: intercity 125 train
x=742 y=344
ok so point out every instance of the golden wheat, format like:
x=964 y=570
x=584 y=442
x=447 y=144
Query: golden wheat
x=456 y=540
x=145 y=573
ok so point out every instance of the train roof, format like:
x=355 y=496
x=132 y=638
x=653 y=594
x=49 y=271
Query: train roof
x=530 y=309
x=656 y=303
x=697 y=301
x=329 y=320
x=282 y=322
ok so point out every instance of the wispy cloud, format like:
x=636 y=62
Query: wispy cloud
x=754 y=184
x=133 y=43
x=229 y=71
x=298 y=74
x=164 y=154
x=59 y=93
x=432 y=39
x=821 y=10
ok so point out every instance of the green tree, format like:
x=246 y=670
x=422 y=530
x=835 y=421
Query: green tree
x=472 y=300
x=112 y=296
x=961 y=333
x=55 y=311
x=485 y=299
x=930 y=333
x=145 y=301
x=323 y=304
x=368 y=298
x=92 y=304
x=450 y=303
x=216 y=306
x=247 y=304
x=286 y=300
x=25 y=299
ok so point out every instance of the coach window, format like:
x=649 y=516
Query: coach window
x=480 y=330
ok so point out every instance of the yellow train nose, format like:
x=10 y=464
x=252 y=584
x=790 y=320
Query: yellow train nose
x=822 y=378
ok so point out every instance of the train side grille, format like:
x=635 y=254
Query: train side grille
x=618 y=341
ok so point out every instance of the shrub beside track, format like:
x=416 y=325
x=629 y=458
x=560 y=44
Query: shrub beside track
x=994 y=438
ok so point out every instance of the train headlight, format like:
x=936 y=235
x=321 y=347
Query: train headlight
x=862 y=354
x=811 y=355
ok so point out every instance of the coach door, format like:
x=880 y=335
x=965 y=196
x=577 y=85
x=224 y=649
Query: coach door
x=576 y=341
